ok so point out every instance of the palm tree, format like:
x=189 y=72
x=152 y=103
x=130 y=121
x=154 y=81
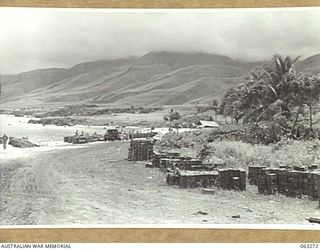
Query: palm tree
x=280 y=68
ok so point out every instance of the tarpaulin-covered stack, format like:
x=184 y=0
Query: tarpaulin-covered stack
x=140 y=150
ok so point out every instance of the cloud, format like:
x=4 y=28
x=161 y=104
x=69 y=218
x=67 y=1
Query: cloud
x=39 y=38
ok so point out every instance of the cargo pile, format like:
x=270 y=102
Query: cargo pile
x=167 y=161
x=80 y=139
x=68 y=139
x=157 y=157
x=192 y=179
x=187 y=172
x=292 y=182
x=141 y=135
x=21 y=143
x=141 y=149
x=232 y=179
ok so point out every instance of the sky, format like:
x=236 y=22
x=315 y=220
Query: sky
x=42 y=38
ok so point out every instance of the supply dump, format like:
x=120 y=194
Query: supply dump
x=121 y=175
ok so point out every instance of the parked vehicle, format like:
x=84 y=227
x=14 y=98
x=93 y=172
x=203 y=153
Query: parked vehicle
x=112 y=135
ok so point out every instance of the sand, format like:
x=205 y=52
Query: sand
x=94 y=184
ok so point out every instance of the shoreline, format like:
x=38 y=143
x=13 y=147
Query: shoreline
x=12 y=153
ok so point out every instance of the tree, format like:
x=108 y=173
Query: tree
x=265 y=93
x=306 y=93
x=274 y=94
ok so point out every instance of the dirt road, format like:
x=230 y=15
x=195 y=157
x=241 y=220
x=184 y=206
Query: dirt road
x=96 y=185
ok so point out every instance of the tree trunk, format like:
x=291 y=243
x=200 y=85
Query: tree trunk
x=310 y=118
x=295 y=123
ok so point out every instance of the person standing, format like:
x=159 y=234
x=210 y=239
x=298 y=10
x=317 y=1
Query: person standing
x=4 y=141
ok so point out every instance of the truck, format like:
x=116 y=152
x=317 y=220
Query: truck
x=112 y=135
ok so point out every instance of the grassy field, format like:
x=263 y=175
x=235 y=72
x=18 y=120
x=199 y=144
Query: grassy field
x=291 y=153
x=241 y=154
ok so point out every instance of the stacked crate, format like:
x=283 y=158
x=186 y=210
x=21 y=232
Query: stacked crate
x=313 y=167
x=189 y=164
x=314 y=188
x=299 y=190
x=79 y=140
x=292 y=183
x=243 y=177
x=283 y=166
x=224 y=178
x=192 y=179
x=271 y=183
x=282 y=181
x=156 y=160
x=305 y=183
x=168 y=163
x=253 y=174
x=316 y=194
x=142 y=135
x=167 y=159
x=171 y=155
x=172 y=179
x=268 y=182
x=140 y=150
x=68 y=139
x=232 y=179
x=300 y=168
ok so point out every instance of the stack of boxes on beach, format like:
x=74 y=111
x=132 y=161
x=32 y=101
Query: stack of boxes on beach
x=183 y=171
x=192 y=179
x=232 y=179
x=267 y=181
x=68 y=139
x=292 y=182
x=187 y=172
x=182 y=163
x=141 y=149
x=163 y=160
x=82 y=139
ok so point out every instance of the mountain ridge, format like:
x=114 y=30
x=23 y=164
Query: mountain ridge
x=156 y=78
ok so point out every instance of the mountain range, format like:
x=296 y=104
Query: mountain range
x=157 y=78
